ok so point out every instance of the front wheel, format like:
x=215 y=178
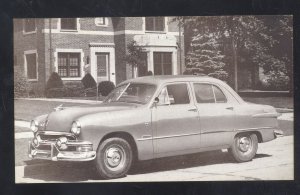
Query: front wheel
x=114 y=158
x=244 y=147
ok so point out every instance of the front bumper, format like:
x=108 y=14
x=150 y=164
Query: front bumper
x=49 y=150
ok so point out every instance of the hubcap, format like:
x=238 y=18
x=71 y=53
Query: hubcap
x=115 y=158
x=244 y=144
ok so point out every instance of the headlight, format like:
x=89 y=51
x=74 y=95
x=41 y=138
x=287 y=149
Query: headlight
x=76 y=127
x=34 y=126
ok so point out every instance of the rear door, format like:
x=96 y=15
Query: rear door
x=217 y=115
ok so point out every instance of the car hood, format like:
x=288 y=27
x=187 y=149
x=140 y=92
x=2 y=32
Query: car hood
x=61 y=120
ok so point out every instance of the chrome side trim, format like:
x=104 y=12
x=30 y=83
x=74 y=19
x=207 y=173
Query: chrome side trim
x=169 y=136
x=211 y=132
x=255 y=128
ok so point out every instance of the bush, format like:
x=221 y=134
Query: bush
x=278 y=81
x=74 y=89
x=105 y=87
x=54 y=81
x=55 y=92
x=88 y=81
x=21 y=85
x=90 y=92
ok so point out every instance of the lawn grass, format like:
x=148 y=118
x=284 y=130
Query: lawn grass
x=28 y=109
x=277 y=102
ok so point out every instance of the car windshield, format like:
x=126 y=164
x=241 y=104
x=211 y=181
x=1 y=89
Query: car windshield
x=132 y=93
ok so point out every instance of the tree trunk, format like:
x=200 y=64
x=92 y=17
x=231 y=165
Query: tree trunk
x=235 y=64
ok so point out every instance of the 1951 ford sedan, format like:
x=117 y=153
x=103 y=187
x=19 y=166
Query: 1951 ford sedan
x=152 y=117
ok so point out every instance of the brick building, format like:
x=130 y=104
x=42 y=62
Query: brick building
x=74 y=46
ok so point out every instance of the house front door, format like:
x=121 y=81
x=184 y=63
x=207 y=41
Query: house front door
x=102 y=61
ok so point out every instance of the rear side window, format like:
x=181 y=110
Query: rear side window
x=220 y=97
x=178 y=94
x=204 y=93
x=207 y=93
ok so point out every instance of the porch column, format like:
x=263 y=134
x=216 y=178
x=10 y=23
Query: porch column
x=150 y=61
x=174 y=63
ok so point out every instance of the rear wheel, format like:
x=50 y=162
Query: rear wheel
x=244 y=147
x=114 y=158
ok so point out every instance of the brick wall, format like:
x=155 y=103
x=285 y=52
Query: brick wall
x=24 y=42
x=133 y=23
x=120 y=51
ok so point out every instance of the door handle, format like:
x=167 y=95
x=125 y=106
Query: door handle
x=230 y=108
x=193 y=110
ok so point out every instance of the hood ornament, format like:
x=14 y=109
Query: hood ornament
x=58 y=108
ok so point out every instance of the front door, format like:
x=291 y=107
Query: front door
x=177 y=128
x=102 y=61
x=162 y=63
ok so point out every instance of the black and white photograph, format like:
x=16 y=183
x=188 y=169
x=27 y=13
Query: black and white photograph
x=153 y=99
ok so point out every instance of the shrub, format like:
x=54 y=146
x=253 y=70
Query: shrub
x=277 y=81
x=105 y=87
x=55 y=92
x=21 y=85
x=149 y=73
x=88 y=81
x=90 y=92
x=74 y=89
x=54 y=81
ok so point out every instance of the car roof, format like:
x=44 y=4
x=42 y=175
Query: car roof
x=160 y=79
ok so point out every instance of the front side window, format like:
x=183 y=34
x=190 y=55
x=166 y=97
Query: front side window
x=69 y=64
x=175 y=94
x=155 y=23
x=29 y=25
x=31 y=66
x=132 y=93
x=68 y=24
x=207 y=93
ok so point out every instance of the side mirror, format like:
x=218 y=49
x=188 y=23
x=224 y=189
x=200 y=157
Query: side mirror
x=163 y=102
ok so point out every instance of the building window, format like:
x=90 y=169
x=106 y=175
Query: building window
x=31 y=66
x=68 y=24
x=155 y=23
x=101 y=21
x=69 y=64
x=162 y=63
x=29 y=25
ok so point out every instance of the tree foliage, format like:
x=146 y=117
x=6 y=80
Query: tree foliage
x=218 y=45
x=206 y=56
x=135 y=56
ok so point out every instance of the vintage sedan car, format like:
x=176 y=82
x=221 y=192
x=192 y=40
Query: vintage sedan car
x=152 y=117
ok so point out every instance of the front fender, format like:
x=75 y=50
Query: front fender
x=136 y=122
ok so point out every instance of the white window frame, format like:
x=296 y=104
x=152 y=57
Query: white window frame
x=37 y=66
x=150 y=60
x=161 y=32
x=81 y=63
x=68 y=30
x=105 y=22
x=30 y=32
